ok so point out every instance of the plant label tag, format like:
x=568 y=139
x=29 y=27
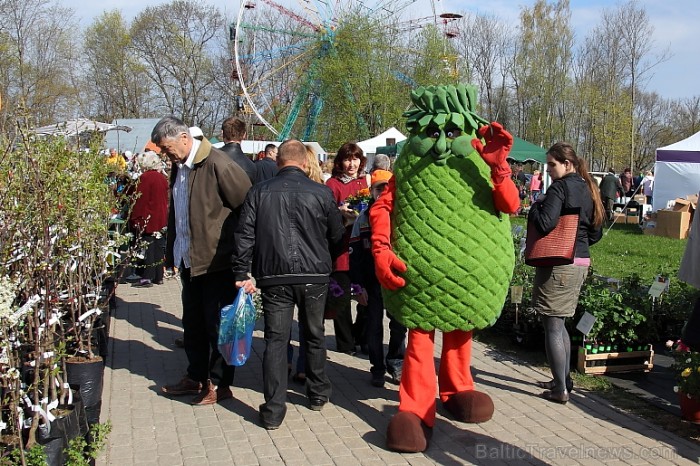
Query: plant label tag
x=585 y=324
x=659 y=285
x=516 y=294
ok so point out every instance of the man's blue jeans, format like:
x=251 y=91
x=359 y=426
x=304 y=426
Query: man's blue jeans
x=278 y=309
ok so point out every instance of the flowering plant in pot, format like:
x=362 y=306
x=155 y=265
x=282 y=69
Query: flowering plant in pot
x=360 y=200
x=337 y=298
x=686 y=368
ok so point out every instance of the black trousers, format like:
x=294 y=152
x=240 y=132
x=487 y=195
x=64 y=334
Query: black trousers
x=393 y=362
x=153 y=259
x=691 y=330
x=278 y=309
x=203 y=297
x=608 y=207
x=342 y=323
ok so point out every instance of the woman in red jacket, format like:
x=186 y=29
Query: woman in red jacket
x=346 y=180
x=149 y=216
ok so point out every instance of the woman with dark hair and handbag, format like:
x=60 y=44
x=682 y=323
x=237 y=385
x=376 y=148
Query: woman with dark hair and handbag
x=557 y=286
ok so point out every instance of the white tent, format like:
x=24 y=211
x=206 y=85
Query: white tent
x=78 y=126
x=677 y=171
x=387 y=138
x=253 y=147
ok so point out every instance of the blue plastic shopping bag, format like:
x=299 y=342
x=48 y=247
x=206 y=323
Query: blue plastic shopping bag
x=236 y=329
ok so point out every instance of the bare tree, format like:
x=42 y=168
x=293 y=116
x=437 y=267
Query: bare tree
x=484 y=43
x=176 y=42
x=687 y=111
x=541 y=68
x=37 y=54
x=635 y=44
x=119 y=82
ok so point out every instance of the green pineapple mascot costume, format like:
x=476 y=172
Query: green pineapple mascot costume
x=444 y=253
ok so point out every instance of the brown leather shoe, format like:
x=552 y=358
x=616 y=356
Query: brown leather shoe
x=185 y=386
x=211 y=394
x=223 y=393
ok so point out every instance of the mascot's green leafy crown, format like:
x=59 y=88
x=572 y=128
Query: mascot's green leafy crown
x=457 y=248
x=443 y=115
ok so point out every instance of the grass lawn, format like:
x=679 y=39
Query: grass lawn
x=625 y=249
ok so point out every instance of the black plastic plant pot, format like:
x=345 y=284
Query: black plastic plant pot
x=80 y=412
x=53 y=443
x=99 y=337
x=92 y=413
x=67 y=422
x=86 y=376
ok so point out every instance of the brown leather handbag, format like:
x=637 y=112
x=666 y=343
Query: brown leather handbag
x=558 y=247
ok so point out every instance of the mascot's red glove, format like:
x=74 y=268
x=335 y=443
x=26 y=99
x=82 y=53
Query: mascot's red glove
x=494 y=153
x=386 y=264
x=498 y=145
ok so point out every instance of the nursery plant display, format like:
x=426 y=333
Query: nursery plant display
x=56 y=252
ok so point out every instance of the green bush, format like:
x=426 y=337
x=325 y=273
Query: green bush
x=34 y=456
x=80 y=452
x=617 y=318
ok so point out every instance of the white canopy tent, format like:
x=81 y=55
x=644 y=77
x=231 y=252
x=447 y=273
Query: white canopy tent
x=387 y=138
x=677 y=171
x=253 y=147
x=78 y=126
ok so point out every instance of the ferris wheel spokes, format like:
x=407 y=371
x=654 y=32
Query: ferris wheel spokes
x=288 y=57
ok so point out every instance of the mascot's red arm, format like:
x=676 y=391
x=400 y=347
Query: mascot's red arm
x=498 y=145
x=386 y=264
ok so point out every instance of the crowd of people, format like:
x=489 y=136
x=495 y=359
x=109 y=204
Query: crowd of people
x=281 y=224
x=286 y=227
x=614 y=188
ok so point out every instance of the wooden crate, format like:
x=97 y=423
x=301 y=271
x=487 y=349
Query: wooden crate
x=606 y=363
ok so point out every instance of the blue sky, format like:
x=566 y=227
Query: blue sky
x=675 y=24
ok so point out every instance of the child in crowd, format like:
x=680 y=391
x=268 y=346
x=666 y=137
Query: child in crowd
x=362 y=273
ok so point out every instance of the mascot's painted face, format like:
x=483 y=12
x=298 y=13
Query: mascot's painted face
x=444 y=122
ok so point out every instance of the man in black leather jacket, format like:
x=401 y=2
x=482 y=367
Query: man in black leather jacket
x=290 y=245
x=233 y=132
x=266 y=167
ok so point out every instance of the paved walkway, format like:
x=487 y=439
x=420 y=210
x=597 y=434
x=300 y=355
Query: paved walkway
x=151 y=429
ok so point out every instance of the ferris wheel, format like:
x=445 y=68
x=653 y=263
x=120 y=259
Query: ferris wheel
x=282 y=54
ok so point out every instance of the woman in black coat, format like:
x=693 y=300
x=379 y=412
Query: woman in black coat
x=556 y=289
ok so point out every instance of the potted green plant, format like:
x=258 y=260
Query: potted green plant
x=518 y=317
x=614 y=336
x=55 y=208
x=617 y=320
